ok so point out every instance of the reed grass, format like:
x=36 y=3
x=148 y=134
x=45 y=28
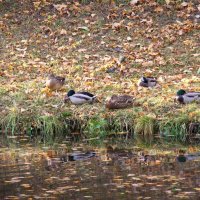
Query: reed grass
x=50 y=127
x=11 y=121
x=145 y=127
x=53 y=126
x=175 y=128
x=96 y=129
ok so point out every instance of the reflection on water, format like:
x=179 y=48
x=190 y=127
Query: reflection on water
x=77 y=156
x=103 y=175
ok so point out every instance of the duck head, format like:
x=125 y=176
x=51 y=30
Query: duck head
x=69 y=94
x=50 y=76
x=181 y=92
x=59 y=78
x=144 y=80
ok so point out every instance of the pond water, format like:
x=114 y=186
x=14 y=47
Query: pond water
x=99 y=175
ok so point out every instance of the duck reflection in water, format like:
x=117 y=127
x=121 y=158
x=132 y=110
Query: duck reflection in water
x=183 y=157
x=77 y=156
x=54 y=163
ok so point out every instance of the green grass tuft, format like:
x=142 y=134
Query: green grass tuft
x=10 y=122
x=50 y=127
x=145 y=127
x=96 y=128
x=176 y=128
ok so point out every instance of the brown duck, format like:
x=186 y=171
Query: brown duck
x=119 y=101
x=55 y=82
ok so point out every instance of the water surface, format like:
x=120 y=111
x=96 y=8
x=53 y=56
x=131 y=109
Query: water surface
x=99 y=175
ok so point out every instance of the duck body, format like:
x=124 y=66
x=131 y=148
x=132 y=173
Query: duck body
x=119 y=102
x=79 y=97
x=185 y=98
x=55 y=82
x=147 y=82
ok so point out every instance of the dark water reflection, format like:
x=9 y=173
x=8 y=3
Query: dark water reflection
x=104 y=176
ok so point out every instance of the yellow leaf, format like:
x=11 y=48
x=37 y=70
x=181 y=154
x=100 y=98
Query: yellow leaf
x=159 y=9
x=46 y=91
x=89 y=83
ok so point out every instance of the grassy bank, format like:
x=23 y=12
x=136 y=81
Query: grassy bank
x=103 y=124
x=83 y=43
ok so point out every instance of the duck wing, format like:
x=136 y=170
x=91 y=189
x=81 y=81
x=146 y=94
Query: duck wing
x=123 y=99
x=59 y=78
x=86 y=94
x=193 y=94
x=120 y=101
x=147 y=82
x=81 y=96
x=152 y=80
x=189 y=97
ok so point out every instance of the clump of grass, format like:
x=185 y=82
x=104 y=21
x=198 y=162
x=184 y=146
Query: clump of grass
x=50 y=127
x=192 y=111
x=145 y=127
x=122 y=122
x=96 y=129
x=85 y=1
x=176 y=128
x=3 y=91
x=161 y=1
x=74 y=124
x=10 y=122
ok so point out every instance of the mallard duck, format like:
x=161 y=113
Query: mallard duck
x=183 y=97
x=79 y=97
x=54 y=82
x=119 y=101
x=147 y=82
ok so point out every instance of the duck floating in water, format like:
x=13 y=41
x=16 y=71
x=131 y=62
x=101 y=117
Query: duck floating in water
x=55 y=82
x=147 y=82
x=79 y=97
x=184 y=98
x=119 y=101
